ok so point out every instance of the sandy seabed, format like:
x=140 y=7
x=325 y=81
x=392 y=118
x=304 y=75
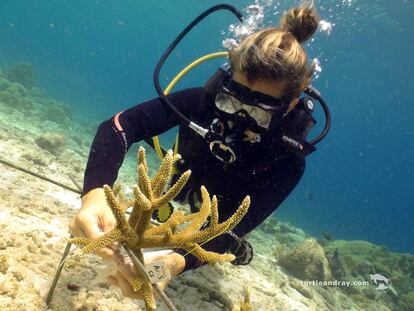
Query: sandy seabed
x=34 y=217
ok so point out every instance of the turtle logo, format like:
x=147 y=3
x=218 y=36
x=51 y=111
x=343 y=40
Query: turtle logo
x=383 y=281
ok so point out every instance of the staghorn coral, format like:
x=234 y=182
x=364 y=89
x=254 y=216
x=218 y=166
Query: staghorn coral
x=245 y=304
x=179 y=231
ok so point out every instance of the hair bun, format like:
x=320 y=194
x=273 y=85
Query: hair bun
x=301 y=21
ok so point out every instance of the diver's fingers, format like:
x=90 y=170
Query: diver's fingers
x=113 y=250
x=108 y=253
x=87 y=226
x=108 y=223
x=126 y=269
x=112 y=280
x=126 y=287
x=91 y=230
x=75 y=229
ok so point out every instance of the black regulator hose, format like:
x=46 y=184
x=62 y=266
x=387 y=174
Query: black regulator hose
x=163 y=58
x=311 y=91
x=314 y=93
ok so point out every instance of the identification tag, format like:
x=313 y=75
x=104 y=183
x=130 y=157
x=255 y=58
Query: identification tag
x=157 y=272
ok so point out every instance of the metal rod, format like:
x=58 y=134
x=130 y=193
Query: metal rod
x=156 y=287
x=57 y=274
x=39 y=176
x=75 y=183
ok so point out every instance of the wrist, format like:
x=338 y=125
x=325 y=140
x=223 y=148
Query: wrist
x=94 y=196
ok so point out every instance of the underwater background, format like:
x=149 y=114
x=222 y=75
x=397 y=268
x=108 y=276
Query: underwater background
x=99 y=57
x=65 y=66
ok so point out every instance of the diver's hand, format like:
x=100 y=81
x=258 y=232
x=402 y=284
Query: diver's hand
x=94 y=219
x=126 y=275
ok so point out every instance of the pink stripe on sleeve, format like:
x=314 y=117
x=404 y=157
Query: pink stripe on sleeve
x=116 y=120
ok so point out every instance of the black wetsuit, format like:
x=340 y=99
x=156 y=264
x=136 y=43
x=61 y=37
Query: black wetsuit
x=266 y=180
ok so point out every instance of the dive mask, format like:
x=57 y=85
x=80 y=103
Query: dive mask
x=236 y=101
x=259 y=119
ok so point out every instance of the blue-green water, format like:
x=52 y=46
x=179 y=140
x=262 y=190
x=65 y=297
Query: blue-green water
x=99 y=56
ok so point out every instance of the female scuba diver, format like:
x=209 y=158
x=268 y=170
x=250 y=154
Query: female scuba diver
x=255 y=145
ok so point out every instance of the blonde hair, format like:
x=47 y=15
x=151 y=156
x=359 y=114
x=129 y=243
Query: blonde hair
x=277 y=54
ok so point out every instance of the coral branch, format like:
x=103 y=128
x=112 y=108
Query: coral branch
x=179 y=231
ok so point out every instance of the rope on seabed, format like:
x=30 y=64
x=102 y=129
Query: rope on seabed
x=67 y=252
x=5 y=162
